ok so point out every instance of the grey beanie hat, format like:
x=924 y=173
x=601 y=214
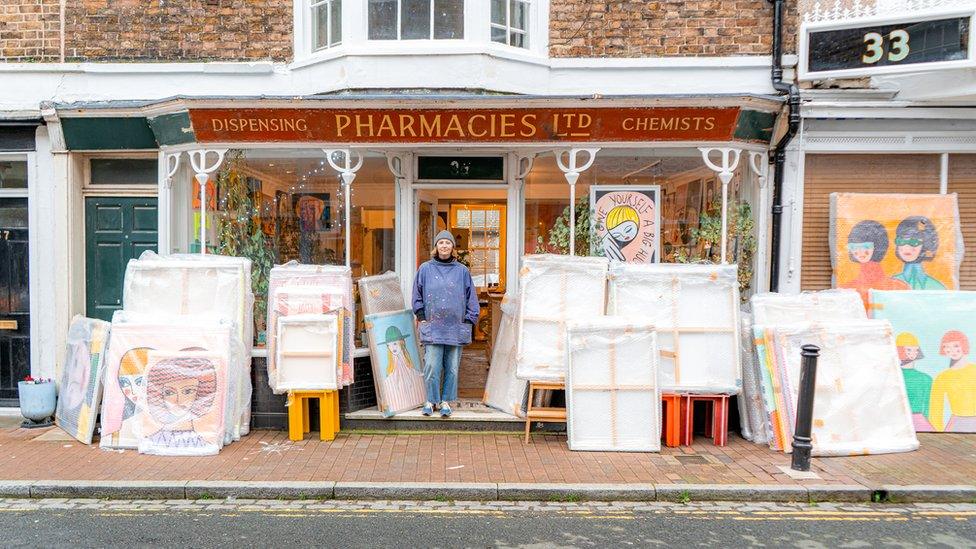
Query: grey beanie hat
x=445 y=235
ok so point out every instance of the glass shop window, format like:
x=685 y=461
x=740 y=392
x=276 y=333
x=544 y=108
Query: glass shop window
x=275 y=206
x=510 y=22
x=630 y=193
x=13 y=174
x=123 y=171
x=326 y=24
x=415 y=19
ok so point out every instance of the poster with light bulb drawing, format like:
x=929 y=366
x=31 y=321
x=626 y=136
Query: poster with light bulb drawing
x=626 y=223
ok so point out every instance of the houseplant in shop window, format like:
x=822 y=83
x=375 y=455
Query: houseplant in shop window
x=558 y=235
x=741 y=241
x=240 y=234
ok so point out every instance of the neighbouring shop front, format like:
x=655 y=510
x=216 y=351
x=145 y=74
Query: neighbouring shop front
x=368 y=182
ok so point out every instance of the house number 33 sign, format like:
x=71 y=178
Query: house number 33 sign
x=853 y=49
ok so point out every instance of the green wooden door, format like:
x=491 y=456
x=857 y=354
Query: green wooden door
x=117 y=229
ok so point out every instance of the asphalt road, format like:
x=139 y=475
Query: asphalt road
x=424 y=525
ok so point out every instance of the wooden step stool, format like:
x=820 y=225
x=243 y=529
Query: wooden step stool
x=543 y=414
x=298 y=416
x=672 y=419
x=716 y=418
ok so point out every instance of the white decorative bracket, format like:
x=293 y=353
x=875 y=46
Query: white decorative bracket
x=725 y=170
x=523 y=165
x=572 y=170
x=172 y=164
x=394 y=161
x=199 y=161
x=759 y=162
x=347 y=162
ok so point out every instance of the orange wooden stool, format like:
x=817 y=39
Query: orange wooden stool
x=298 y=415
x=672 y=419
x=716 y=417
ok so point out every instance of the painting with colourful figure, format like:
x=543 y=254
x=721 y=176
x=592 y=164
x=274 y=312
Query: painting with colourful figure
x=81 y=379
x=185 y=399
x=626 y=223
x=935 y=333
x=397 y=368
x=895 y=241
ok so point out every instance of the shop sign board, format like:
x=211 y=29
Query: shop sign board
x=464 y=125
x=884 y=45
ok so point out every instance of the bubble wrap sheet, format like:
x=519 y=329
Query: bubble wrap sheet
x=309 y=352
x=194 y=284
x=80 y=392
x=555 y=289
x=134 y=335
x=170 y=422
x=504 y=390
x=695 y=309
x=381 y=294
x=860 y=404
x=612 y=397
x=301 y=300
x=775 y=309
x=329 y=279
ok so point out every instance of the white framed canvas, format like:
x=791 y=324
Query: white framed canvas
x=309 y=352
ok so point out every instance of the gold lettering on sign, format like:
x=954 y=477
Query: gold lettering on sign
x=266 y=125
x=668 y=124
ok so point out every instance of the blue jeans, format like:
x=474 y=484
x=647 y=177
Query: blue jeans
x=441 y=361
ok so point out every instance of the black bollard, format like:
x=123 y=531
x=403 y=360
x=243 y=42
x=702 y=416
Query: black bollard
x=804 y=409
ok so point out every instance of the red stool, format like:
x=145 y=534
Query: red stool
x=716 y=417
x=672 y=419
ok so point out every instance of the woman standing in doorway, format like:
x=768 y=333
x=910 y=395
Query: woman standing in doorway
x=446 y=305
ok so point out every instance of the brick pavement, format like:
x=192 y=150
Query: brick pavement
x=476 y=457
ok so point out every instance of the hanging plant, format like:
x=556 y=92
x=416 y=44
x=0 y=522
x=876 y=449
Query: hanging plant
x=741 y=241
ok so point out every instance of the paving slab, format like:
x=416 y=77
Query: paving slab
x=730 y=492
x=416 y=490
x=264 y=490
x=575 y=492
x=930 y=493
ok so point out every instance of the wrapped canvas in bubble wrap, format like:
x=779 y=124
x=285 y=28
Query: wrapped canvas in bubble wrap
x=328 y=279
x=933 y=336
x=381 y=293
x=775 y=309
x=860 y=406
x=309 y=352
x=695 y=309
x=185 y=404
x=395 y=356
x=126 y=361
x=895 y=241
x=300 y=300
x=192 y=284
x=555 y=289
x=504 y=390
x=612 y=397
x=80 y=392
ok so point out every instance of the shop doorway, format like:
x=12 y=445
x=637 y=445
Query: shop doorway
x=117 y=229
x=15 y=356
x=477 y=219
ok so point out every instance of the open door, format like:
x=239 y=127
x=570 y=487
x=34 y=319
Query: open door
x=425 y=212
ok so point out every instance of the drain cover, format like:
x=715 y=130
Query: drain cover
x=692 y=460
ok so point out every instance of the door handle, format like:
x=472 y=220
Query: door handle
x=8 y=324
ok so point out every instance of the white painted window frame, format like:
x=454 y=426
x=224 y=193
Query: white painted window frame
x=477 y=35
x=509 y=29
x=327 y=6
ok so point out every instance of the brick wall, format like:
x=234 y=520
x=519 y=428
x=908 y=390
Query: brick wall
x=30 y=30
x=643 y=28
x=178 y=30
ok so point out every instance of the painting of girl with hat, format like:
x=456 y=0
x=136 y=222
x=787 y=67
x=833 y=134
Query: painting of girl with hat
x=918 y=384
x=396 y=361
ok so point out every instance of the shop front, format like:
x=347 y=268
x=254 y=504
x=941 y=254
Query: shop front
x=368 y=182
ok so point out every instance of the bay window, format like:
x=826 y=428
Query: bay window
x=326 y=23
x=510 y=22
x=415 y=19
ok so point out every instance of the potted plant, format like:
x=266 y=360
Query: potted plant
x=38 y=398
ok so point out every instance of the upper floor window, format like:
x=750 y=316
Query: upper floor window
x=510 y=22
x=415 y=19
x=326 y=23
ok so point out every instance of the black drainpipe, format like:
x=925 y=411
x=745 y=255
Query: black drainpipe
x=779 y=151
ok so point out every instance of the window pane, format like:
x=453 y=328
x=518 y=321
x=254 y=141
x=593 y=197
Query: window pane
x=498 y=12
x=415 y=20
x=13 y=174
x=449 y=19
x=519 y=41
x=336 y=8
x=498 y=35
x=13 y=213
x=382 y=19
x=320 y=26
x=520 y=14
x=123 y=171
